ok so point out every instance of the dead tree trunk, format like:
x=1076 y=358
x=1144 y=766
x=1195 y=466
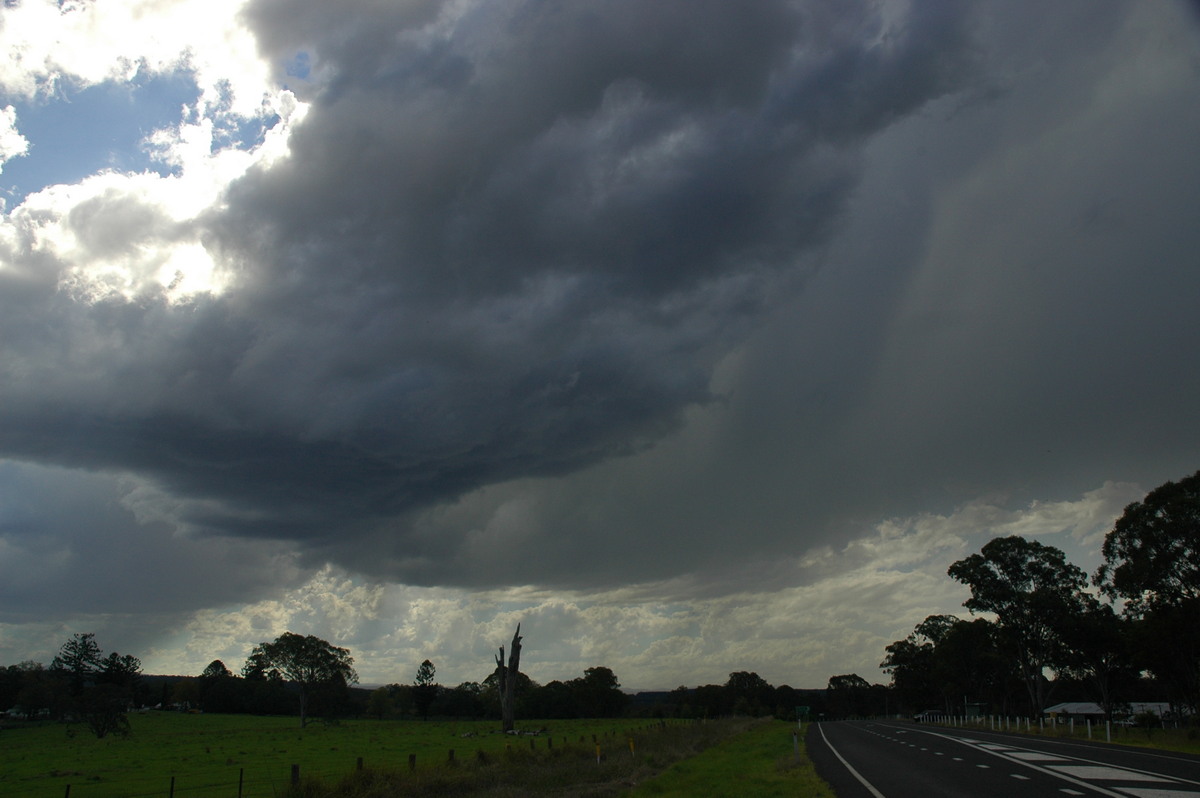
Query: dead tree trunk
x=506 y=679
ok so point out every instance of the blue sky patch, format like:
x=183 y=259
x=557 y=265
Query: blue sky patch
x=79 y=132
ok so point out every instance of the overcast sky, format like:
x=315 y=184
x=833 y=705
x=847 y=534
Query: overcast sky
x=695 y=336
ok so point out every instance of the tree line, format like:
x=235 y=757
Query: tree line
x=309 y=677
x=1130 y=632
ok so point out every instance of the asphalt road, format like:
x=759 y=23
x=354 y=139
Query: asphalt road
x=882 y=759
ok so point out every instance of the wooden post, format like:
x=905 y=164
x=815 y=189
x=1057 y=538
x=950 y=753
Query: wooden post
x=68 y=794
x=171 y=794
x=412 y=761
x=295 y=774
x=241 y=776
x=451 y=756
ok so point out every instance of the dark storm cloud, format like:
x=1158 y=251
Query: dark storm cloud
x=507 y=244
x=469 y=316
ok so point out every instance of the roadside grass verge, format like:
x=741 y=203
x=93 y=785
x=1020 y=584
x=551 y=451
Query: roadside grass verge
x=759 y=762
x=570 y=768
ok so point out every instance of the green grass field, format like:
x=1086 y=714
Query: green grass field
x=761 y=763
x=206 y=753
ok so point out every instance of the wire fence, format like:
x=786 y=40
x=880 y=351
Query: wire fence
x=242 y=782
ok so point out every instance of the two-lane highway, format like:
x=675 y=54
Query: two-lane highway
x=872 y=759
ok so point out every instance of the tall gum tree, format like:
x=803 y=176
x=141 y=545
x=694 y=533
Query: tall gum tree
x=1152 y=563
x=1035 y=594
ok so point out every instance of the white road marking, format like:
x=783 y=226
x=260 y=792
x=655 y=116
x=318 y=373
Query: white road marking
x=1019 y=776
x=1105 y=773
x=1036 y=756
x=1070 y=792
x=1152 y=792
x=870 y=788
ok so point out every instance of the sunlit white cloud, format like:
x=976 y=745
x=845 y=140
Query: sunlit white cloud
x=12 y=143
x=45 y=42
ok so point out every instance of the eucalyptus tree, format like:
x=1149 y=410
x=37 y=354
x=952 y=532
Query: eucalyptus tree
x=1035 y=595
x=1152 y=564
x=307 y=661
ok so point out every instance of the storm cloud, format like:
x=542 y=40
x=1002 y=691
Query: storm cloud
x=596 y=295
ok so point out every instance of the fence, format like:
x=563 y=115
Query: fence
x=208 y=784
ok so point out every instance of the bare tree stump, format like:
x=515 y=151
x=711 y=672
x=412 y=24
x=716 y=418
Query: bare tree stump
x=506 y=680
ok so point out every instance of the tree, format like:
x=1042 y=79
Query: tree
x=102 y=708
x=912 y=662
x=380 y=703
x=1152 y=561
x=506 y=681
x=847 y=695
x=598 y=694
x=216 y=670
x=749 y=694
x=79 y=660
x=1152 y=554
x=307 y=661
x=123 y=671
x=1035 y=595
x=424 y=688
x=1100 y=654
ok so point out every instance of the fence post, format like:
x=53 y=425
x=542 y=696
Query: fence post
x=295 y=774
x=241 y=776
x=412 y=761
x=68 y=794
x=451 y=754
x=171 y=794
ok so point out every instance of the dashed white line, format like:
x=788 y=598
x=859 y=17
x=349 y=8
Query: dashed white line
x=1019 y=776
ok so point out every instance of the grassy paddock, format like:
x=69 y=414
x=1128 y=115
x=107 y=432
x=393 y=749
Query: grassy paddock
x=633 y=758
x=206 y=753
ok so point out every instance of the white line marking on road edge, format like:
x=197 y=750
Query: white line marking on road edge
x=853 y=772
